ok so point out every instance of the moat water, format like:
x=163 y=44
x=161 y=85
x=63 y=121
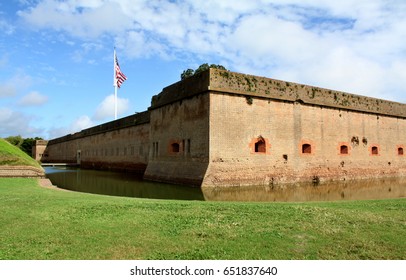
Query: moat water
x=126 y=184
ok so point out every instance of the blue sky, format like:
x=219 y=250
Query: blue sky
x=56 y=57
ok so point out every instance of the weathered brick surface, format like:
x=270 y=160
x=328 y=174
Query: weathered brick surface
x=184 y=124
x=21 y=171
x=122 y=149
x=220 y=128
x=38 y=150
x=286 y=126
x=236 y=83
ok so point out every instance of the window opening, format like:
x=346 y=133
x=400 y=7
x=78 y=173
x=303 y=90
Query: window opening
x=175 y=147
x=306 y=149
x=374 y=150
x=400 y=151
x=260 y=146
x=344 y=150
x=183 y=145
x=156 y=149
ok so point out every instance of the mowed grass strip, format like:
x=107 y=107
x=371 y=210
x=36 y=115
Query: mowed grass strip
x=41 y=223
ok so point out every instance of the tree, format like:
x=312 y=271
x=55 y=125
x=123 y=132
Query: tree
x=187 y=73
x=15 y=140
x=205 y=66
x=25 y=144
x=202 y=68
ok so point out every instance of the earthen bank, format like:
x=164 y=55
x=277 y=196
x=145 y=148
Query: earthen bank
x=220 y=128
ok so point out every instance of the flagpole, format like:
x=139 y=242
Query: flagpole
x=115 y=103
x=115 y=85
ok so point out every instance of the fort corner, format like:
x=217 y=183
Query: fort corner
x=220 y=128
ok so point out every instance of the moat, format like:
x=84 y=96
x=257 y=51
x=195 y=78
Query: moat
x=130 y=185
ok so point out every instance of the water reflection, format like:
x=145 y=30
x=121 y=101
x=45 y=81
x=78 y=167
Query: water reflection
x=123 y=184
x=347 y=190
x=117 y=184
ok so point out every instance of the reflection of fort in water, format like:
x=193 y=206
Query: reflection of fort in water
x=383 y=188
x=223 y=129
x=119 y=184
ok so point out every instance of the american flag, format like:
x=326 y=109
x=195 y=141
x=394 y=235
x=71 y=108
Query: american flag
x=119 y=77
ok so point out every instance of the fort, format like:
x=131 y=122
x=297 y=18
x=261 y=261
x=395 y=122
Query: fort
x=220 y=128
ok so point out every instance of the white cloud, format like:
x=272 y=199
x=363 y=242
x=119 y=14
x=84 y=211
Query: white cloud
x=34 y=98
x=84 y=50
x=7 y=90
x=80 y=18
x=77 y=125
x=106 y=108
x=6 y=28
x=16 y=123
x=350 y=45
x=80 y=123
x=17 y=82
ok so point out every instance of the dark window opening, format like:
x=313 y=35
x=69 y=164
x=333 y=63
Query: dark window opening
x=306 y=149
x=285 y=157
x=188 y=146
x=344 y=150
x=175 y=147
x=374 y=150
x=260 y=146
x=155 y=149
x=183 y=145
x=400 y=151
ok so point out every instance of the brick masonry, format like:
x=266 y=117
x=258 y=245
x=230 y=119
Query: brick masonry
x=220 y=128
x=21 y=171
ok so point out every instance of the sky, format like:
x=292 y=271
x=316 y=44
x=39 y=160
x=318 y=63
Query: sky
x=56 y=57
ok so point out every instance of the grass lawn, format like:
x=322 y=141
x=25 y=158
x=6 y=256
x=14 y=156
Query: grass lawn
x=41 y=223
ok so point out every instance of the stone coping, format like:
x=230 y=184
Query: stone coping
x=226 y=82
x=132 y=120
x=21 y=171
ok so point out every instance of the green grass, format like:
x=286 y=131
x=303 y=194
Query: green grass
x=11 y=155
x=41 y=223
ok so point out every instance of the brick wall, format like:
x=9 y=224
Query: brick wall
x=303 y=142
x=21 y=171
x=220 y=128
x=122 y=149
x=179 y=144
x=38 y=150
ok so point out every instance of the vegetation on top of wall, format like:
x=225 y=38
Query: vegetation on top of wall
x=205 y=66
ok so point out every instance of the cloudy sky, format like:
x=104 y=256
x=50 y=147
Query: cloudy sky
x=56 y=57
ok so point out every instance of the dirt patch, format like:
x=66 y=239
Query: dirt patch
x=46 y=183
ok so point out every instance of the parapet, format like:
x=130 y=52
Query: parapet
x=236 y=83
x=215 y=80
x=132 y=120
x=186 y=88
x=41 y=142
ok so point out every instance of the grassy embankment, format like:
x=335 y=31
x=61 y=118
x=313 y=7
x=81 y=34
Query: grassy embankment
x=41 y=223
x=11 y=155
